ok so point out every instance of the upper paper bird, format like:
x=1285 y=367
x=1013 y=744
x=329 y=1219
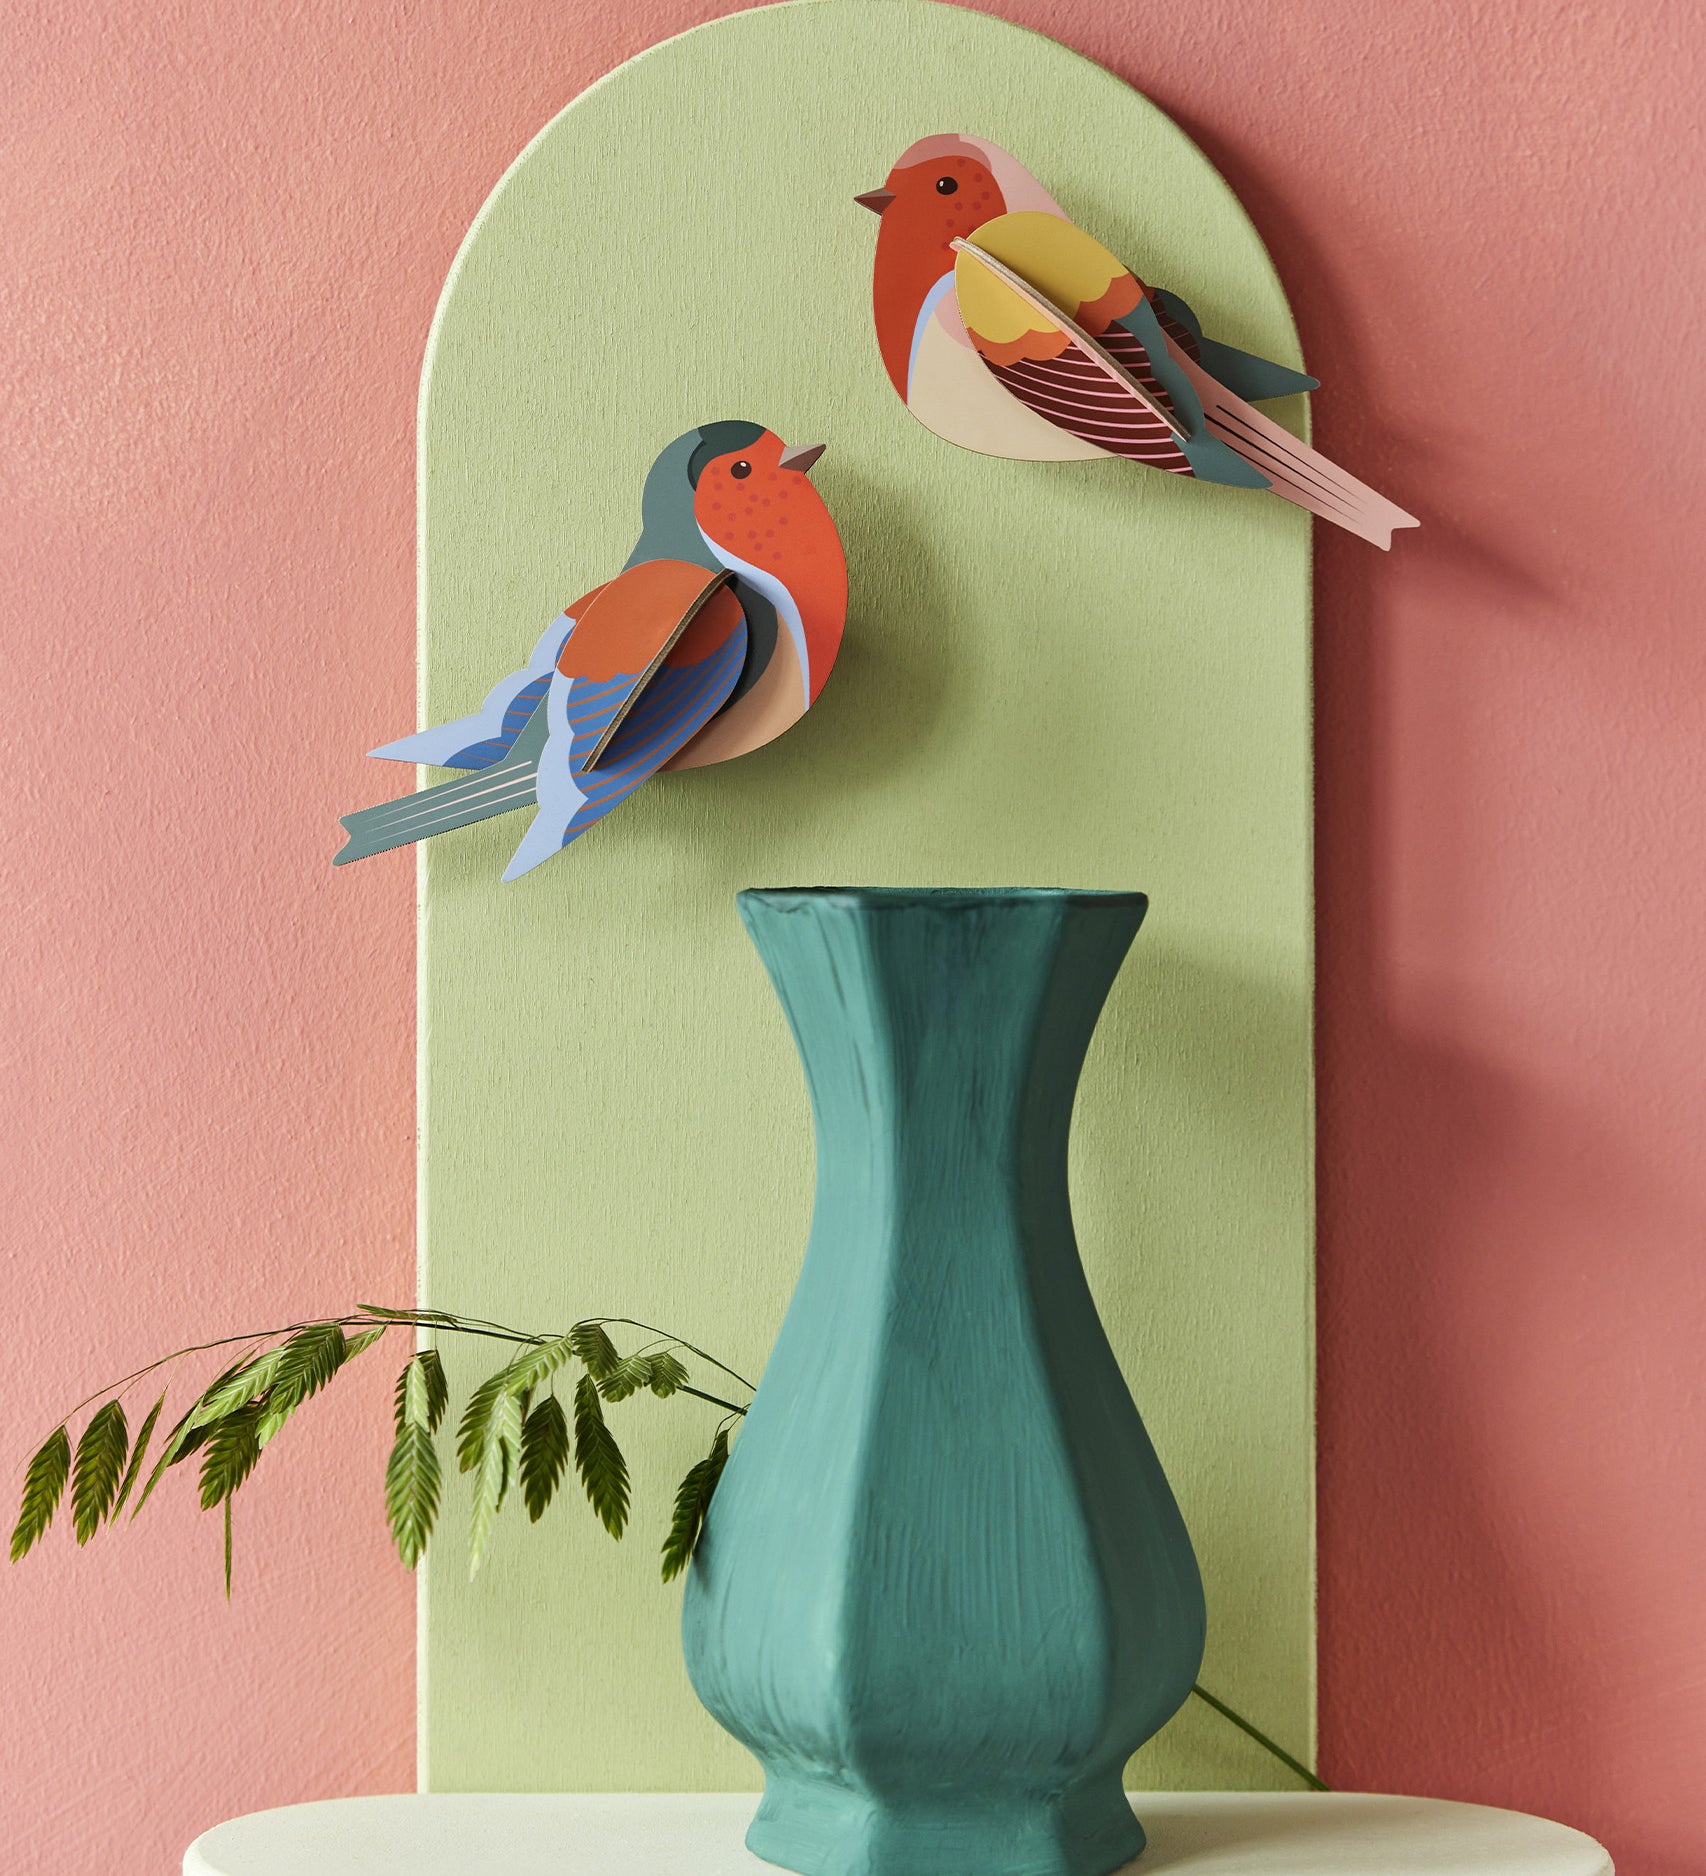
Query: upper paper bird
x=1009 y=330
x=716 y=635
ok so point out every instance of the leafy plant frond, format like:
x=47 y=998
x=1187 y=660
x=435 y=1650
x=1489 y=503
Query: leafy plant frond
x=138 y=1452
x=545 y=1445
x=44 y=1481
x=412 y=1485
x=98 y=1468
x=665 y=1374
x=692 y=1502
x=183 y=1439
x=629 y=1376
x=422 y=1393
x=471 y=1429
x=598 y=1459
x=596 y=1351
x=540 y=1363
x=191 y=1426
x=275 y=1410
x=169 y=1454
x=309 y=1360
x=500 y=1455
x=236 y=1389
x=231 y=1449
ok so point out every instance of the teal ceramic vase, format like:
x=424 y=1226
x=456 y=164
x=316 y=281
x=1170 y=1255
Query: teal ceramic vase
x=944 y=1590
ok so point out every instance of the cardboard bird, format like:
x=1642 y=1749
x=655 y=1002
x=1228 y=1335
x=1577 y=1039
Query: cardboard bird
x=715 y=637
x=1009 y=330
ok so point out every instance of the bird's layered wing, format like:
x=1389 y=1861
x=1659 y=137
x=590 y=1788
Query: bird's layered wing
x=619 y=643
x=1041 y=301
x=690 y=686
x=486 y=736
x=621 y=635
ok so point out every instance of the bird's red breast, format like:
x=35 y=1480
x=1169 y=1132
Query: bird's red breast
x=752 y=506
x=937 y=199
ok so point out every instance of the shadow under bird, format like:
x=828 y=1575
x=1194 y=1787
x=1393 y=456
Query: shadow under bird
x=715 y=637
x=1010 y=331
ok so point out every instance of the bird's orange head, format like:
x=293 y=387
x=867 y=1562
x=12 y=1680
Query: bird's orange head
x=941 y=190
x=761 y=517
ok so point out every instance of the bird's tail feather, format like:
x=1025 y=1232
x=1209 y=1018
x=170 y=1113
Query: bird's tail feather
x=1253 y=378
x=435 y=810
x=1293 y=469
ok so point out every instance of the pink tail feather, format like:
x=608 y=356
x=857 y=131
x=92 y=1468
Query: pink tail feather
x=1296 y=471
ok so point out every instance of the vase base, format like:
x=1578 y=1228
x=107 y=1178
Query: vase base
x=820 y=1829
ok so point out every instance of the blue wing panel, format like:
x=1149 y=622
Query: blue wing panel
x=488 y=735
x=677 y=704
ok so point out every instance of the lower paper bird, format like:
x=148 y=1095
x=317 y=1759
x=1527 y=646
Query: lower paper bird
x=1009 y=330
x=714 y=638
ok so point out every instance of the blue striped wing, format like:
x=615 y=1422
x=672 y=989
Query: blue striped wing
x=680 y=700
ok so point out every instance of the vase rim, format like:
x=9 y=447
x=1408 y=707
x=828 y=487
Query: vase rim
x=947 y=898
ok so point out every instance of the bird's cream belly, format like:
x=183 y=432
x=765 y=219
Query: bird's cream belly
x=775 y=702
x=951 y=392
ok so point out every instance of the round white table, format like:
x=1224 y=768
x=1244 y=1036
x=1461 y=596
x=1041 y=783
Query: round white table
x=668 y=1834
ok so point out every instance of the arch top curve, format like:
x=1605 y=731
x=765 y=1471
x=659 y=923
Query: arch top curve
x=1125 y=169
x=1074 y=673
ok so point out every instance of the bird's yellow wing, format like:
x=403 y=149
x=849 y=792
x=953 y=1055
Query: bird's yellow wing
x=1041 y=302
x=1069 y=268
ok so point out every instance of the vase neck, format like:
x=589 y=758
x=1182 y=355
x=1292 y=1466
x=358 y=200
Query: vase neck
x=942 y=1035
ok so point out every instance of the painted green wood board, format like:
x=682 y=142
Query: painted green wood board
x=1074 y=674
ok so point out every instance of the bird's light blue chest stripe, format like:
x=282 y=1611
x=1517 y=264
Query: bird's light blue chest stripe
x=779 y=596
x=932 y=300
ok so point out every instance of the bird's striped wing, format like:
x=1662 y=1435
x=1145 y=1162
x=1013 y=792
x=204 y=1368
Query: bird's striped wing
x=690 y=687
x=488 y=735
x=621 y=636
x=1075 y=391
x=1022 y=274
x=619 y=645
x=1038 y=298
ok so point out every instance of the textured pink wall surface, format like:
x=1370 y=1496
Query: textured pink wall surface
x=222 y=233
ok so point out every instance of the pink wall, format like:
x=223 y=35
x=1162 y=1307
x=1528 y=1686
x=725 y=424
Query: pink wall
x=223 y=233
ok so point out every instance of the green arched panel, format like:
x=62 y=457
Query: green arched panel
x=1074 y=674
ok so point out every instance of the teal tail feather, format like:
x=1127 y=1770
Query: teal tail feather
x=436 y=810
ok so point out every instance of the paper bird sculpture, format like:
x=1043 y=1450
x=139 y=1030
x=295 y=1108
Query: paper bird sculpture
x=714 y=638
x=1009 y=330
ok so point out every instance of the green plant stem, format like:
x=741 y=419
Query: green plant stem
x=716 y=1400
x=1261 y=1738
x=628 y=1322
x=195 y=1348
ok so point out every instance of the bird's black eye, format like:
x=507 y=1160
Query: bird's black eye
x=741 y=470
x=946 y=185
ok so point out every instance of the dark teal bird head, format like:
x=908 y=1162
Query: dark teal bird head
x=667 y=528
x=719 y=439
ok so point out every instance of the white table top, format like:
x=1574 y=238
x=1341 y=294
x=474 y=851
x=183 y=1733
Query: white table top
x=669 y=1834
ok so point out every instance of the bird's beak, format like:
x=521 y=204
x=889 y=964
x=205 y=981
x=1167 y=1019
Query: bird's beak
x=876 y=200
x=802 y=457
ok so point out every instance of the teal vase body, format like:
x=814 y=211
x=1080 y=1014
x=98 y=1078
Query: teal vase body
x=944 y=1590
